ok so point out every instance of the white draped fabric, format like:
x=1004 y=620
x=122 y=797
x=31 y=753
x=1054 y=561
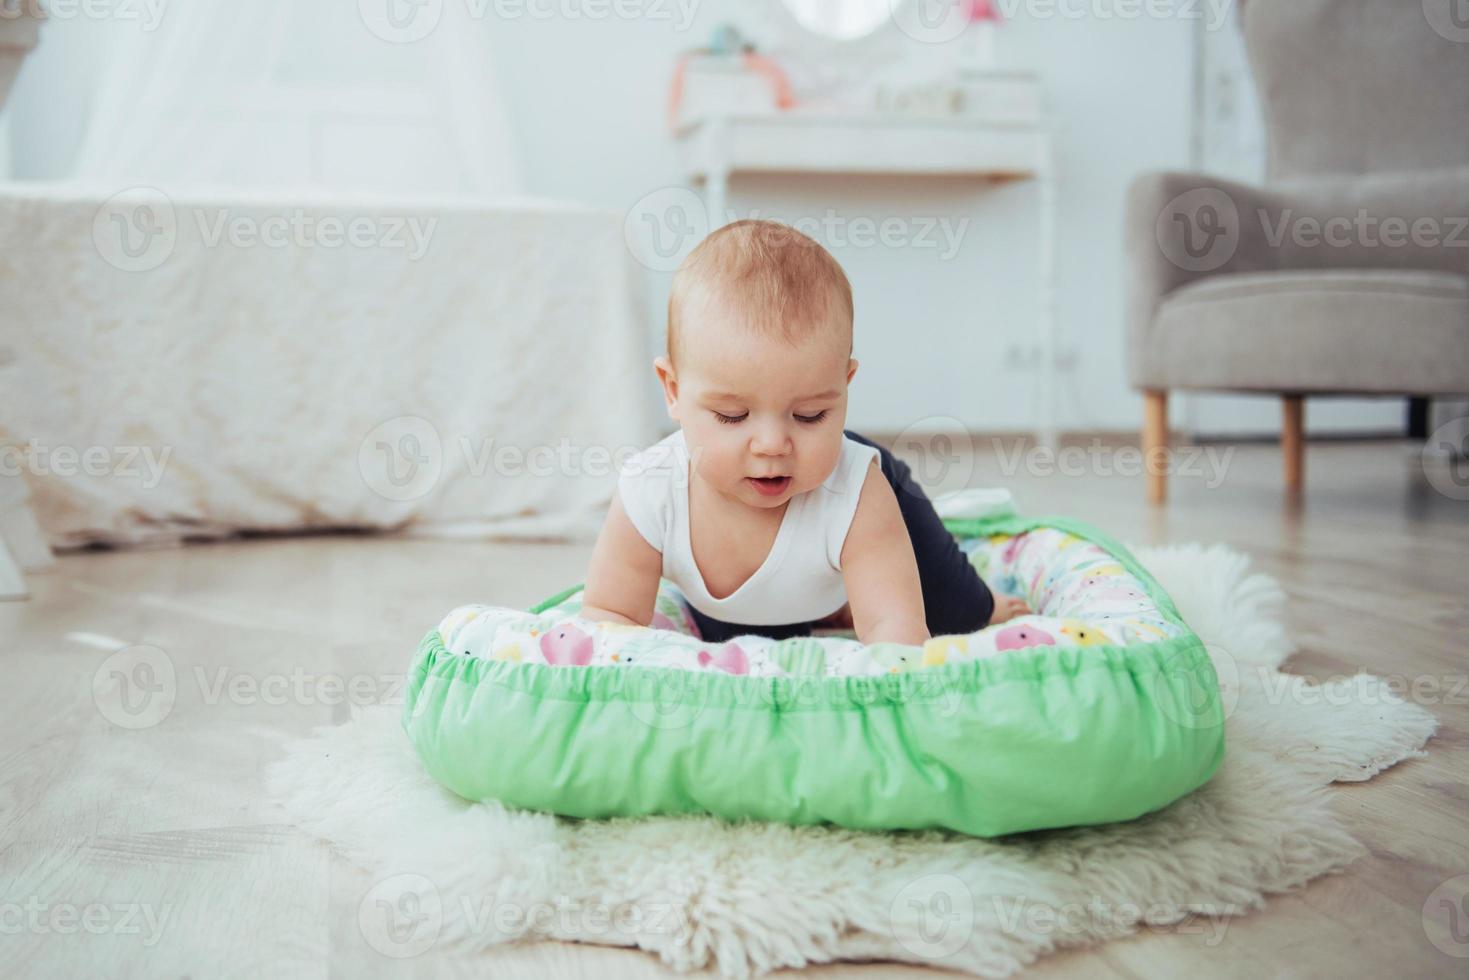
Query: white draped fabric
x=276 y=94
x=185 y=286
x=470 y=370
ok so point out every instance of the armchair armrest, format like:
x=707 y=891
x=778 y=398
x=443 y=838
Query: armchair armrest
x=1181 y=228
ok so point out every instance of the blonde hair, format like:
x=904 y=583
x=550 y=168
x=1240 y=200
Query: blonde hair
x=782 y=282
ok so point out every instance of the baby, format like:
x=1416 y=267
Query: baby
x=767 y=514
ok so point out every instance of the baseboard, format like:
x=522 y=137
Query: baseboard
x=1117 y=438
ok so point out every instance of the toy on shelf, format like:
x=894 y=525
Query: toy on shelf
x=728 y=76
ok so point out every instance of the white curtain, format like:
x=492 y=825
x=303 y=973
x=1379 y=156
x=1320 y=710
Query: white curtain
x=275 y=94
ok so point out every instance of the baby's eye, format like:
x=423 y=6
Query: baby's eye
x=735 y=419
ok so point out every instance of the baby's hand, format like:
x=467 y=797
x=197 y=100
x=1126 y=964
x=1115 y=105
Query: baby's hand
x=1007 y=607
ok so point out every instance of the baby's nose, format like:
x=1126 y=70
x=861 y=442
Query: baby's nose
x=770 y=441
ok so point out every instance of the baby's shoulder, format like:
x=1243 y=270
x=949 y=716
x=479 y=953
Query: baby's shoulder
x=647 y=483
x=853 y=467
x=662 y=460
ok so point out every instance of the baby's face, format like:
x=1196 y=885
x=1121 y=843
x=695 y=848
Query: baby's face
x=753 y=407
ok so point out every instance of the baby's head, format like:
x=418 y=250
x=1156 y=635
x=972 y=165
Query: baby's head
x=759 y=359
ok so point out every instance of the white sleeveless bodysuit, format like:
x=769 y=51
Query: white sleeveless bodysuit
x=801 y=579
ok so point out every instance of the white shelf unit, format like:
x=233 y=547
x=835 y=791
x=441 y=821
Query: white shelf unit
x=717 y=147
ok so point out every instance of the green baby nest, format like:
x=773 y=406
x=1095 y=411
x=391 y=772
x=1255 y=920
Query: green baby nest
x=1101 y=707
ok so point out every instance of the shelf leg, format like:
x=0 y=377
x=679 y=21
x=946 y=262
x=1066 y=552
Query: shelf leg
x=1046 y=424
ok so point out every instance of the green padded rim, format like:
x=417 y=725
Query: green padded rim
x=1049 y=769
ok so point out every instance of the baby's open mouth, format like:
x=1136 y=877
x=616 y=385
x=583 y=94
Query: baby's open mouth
x=769 y=485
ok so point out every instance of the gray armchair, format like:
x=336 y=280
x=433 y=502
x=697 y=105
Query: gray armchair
x=1348 y=273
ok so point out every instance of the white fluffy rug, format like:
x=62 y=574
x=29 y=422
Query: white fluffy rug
x=747 y=899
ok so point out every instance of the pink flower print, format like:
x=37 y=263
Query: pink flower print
x=729 y=658
x=567 y=646
x=1020 y=637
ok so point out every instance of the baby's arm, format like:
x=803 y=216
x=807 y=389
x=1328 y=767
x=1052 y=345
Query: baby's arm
x=622 y=579
x=880 y=571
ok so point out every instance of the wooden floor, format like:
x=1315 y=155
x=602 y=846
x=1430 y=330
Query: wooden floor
x=170 y=821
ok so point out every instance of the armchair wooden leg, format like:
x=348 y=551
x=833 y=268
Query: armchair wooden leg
x=1293 y=441
x=1155 y=444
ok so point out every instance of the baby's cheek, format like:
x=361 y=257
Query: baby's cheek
x=821 y=463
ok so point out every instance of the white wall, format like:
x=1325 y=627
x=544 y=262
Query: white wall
x=932 y=333
x=586 y=102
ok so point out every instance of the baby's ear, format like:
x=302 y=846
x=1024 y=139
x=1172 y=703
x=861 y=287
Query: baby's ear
x=851 y=368
x=663 y=368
